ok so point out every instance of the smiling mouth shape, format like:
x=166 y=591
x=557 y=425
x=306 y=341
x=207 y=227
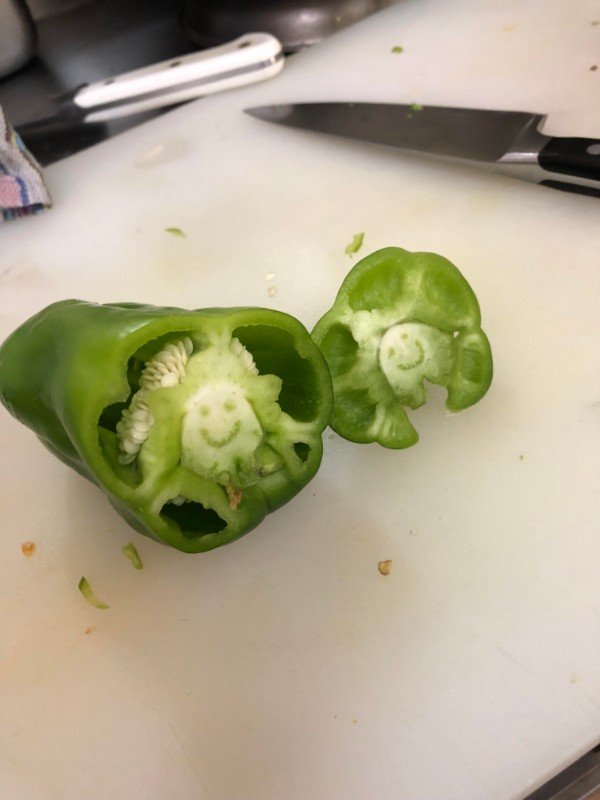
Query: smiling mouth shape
x=210 y=440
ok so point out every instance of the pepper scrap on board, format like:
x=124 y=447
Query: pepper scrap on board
x=399 y=319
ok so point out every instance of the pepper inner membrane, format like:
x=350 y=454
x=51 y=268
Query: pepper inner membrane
x=407 y=353
x=411 y=352
x=207 y=409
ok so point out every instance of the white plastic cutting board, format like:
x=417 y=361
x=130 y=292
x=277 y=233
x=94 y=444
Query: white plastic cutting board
x=284 y=666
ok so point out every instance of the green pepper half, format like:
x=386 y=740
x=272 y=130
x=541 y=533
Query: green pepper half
x=195 y=423
x=398 y=320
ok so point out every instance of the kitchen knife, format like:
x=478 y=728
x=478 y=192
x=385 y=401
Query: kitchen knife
x=248 y=59
x=509 y=140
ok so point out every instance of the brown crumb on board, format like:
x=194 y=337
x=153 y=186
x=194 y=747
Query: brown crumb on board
x=594 y=67
x=595 y=22
x=28 y=548
x=385 y=567
x=521 y=457
x=90 y=629
x=235 y=497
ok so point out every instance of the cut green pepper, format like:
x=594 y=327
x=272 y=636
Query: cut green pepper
x=398 y=320
x=195 y=423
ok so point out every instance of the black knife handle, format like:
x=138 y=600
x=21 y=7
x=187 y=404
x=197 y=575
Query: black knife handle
x=572 y=156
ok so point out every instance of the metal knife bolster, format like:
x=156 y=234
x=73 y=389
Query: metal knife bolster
x=527 y=144
x=532 y=155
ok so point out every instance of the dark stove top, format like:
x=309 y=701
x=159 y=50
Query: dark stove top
x=84 y=44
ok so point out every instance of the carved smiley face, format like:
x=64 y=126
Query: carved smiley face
x=219 y=429
x=221 y=418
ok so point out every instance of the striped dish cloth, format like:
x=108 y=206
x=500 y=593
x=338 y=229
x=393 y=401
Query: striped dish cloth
x=22 y=188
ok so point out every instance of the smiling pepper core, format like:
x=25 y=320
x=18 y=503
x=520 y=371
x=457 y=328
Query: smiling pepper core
x=400 y=319
x=195 y=423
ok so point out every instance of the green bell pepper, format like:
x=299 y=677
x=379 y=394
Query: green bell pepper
x=399 y=319
x=195 y=423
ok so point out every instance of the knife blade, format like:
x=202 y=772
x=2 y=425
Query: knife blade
x=509 y=140
x=245 y=60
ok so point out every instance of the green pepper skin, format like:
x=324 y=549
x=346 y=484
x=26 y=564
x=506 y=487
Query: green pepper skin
x=399 y=319
x=66 y=371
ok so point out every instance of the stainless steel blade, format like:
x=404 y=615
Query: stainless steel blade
x=466 y=133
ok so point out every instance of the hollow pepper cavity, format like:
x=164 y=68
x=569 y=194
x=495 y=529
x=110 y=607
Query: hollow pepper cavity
x=400 y=319
x=196 y=424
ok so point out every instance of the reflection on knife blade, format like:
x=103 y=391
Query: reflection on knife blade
x=501 y=138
